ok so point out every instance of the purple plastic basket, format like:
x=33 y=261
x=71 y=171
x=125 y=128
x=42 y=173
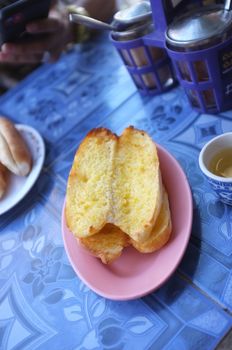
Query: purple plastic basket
x=207 y=84
x=149 y=66
x=156 y=74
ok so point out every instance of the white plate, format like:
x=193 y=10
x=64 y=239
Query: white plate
x=19 y=186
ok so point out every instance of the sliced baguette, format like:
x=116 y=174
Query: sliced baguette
x=160 y=233
x=114 y=181
x=88 y=200
x=107 y=244
x=137 y=186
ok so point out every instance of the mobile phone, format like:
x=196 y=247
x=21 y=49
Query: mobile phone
x=15 y=14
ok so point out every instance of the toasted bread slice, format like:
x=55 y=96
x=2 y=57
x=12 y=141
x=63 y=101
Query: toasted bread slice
x=117 y=181
x=137 y=186
x=88 y=200
x=161 y=231
x=107 y=244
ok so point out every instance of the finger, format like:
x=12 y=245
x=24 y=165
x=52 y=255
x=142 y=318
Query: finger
x=20 y=59
x=36 y=47
x=48 y=25
x=54 y=56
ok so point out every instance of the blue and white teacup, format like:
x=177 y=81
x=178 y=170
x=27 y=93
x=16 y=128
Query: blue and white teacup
x=221 y=185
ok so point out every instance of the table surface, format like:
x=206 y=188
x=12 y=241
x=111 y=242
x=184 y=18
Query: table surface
x=43 y=304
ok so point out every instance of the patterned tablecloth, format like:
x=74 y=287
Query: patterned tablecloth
x=43 y=304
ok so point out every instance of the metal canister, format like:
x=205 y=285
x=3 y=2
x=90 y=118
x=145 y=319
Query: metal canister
x=200 y=29
x=137 y=55
x=141 y=59
x=199 y=43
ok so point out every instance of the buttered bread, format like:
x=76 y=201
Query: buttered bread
x=160 y=233
x=136 y=184
x=89 y=203
x=115 y=195
x=107 y=244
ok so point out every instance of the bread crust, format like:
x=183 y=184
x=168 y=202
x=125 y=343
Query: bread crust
x=14 y=153
x=161 y=231
x=107 y=244
x=101 y=132
x=4 y=178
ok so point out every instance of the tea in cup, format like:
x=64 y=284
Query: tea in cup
x=215 y=161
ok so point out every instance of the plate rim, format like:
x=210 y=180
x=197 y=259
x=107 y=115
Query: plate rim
x=132 y=296
x=39 y=138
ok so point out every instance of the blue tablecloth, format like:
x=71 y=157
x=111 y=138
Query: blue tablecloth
x=43 y=304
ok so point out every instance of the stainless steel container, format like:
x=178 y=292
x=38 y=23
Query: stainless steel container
x=200 y=29
x=141 y=59
x=200 y=46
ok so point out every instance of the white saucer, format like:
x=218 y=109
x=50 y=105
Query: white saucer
x=19 y=186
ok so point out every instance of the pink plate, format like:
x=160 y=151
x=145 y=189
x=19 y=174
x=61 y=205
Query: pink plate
x=134 y=274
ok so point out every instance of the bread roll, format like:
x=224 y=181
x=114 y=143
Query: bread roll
x=14 y=153
x=4 y=174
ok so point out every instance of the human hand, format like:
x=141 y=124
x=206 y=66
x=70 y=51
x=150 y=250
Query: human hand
x=50 y=36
